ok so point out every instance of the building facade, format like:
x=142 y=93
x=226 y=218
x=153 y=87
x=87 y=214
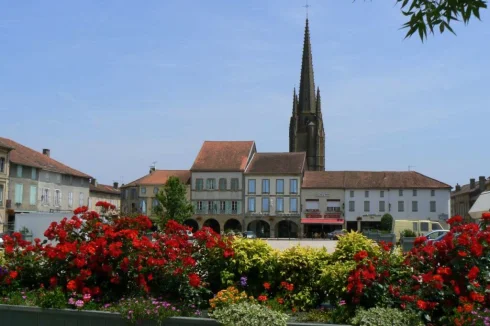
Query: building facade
x=217 y=184
x=367 y=196
x=5 y=150
x=306 y=131
x=463 y=197
x=38 y=183
x=100 y=192
x=139 y=196
x=273 y=194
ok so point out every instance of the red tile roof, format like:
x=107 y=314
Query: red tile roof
x=23 y=155
x=105 y=189
x=160 y=177
x=369 y=180
x=277 y=163
x=223 y=156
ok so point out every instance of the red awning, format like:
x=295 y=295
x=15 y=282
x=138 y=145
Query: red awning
x=322 y=221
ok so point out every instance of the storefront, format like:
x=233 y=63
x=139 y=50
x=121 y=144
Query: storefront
x=317 y=227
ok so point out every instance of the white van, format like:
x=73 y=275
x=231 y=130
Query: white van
x=419 y=227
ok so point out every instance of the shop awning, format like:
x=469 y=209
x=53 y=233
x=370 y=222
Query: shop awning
x=333 y=221
x=481 y=205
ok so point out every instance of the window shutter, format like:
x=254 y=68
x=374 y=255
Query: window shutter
x=228 y=207
x=239 y=207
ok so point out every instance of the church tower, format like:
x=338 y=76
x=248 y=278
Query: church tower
x=306 y=133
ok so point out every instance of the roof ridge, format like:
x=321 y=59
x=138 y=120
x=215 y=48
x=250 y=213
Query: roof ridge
x=432 y=179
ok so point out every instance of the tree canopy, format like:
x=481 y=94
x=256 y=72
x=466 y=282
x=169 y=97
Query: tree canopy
x=173 y=202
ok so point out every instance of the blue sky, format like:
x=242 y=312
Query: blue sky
x=111 y=86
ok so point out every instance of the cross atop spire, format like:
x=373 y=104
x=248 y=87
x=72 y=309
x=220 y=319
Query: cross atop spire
x=307 y=83
x=306 y=7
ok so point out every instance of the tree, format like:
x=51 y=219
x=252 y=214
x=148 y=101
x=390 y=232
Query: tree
x=386 y=222
x=428 y=15
x=173 y=203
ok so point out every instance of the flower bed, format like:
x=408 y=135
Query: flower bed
x=109 y=264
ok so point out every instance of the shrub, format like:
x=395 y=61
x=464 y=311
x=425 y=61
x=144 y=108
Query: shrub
x=386 y=316
x=227 y=297
x=249 y=314
x=408 y=233
x=334 y=279
x=351 y=243
x=386 y=222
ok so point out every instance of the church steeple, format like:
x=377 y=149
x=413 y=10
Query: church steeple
x=307 y=82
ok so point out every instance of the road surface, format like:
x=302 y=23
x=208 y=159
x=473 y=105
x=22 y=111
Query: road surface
x=282 y=244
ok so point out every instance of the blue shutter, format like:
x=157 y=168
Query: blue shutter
x=33 y=195
x=19 y=189
x=239 y=207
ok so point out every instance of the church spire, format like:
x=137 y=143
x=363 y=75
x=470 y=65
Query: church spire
x=307 y=83
x=295 y=103
x=318 y=104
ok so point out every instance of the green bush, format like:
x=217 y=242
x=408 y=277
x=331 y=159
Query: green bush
x=351 y=243
x=334 y=279
x=2 y=258
x=386 y=222
x=249 y=314
x=408 y=233
x=386 y=316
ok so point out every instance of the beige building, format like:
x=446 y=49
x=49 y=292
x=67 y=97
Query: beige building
x=463 y=197
x=5 y=150
x=272 y=194
x=217 y=184
x=139 y=196
x=100 y=192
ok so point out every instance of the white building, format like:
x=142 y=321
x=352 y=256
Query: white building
x=369 y=195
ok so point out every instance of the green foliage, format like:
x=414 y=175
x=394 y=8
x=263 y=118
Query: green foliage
x=18 y=298
x=351 y=243
x=173 y=202
x=249 y=314
x=408 y=233
x=253 y=258
x=302 y=266
x=386 y=316
x=51 y=299
x=2 y=258
x=386 y=222
x=334 y=279
x=316 y=316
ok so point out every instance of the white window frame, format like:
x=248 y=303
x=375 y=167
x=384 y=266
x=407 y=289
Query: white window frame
x=280 y=204
x=251 y=204
x=57 y=198
x=81 y=199
x=70 y=199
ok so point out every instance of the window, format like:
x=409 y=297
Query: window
x=89 y=202
x=415 y=206
x=352 y=194
x=58 y=178
x=57 y=198
x=382 y=194
x=401 y=206
x=155 y=190
x=81 y=200
x=432 y=206
x=432 y=193
x=293 y=186
x=19 y=171
x=265 y=204
x=222 y=206
x=19 y=193
x=2 y=165
x=45 y=198
x=199 y=184
x=400 y=192
x=366 y=206
x=210 y=207
x=415 y=226
x=280 y=204
x=436 y=226
x=293 y=205
x=155 y=203
x=133 y=193
x=33 y=174
x=234 y=184
x=333 y=205
x=143 y=206
x=234 y=206
x=210 y=184
x=265 y=186
x=46 y=176
x=366 y=194
x=222 y=184
x=279 y=186
x=414 y=192
x=382 y=206
x=199 y=205
x=251 y=186
x=82 y=181
x=312 y=205
x=424 y=226
x=352 y=206
x=33 y=195
x=143 y=190
x=251 y=204
x=1 y=195
x=70 y=198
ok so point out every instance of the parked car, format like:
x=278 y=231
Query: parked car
x=249 y=235
x=335 y=234
x=434 y=235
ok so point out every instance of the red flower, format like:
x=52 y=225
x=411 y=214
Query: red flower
x=485 y=216
x=462 y=253
x=444 y=271
x=228 y=253
x=71 y=286
x=361 y=255
x=455 y=220
x=280 y=300
x=194 y=280
x=267 y=286
x=13 y=274
x=422 y=305
x=477 y=297
x=53 y=281
x=262 y=298
x=473 y=273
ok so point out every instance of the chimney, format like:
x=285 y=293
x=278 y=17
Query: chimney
x=481 y=182
x=116 y=185
x=93 y=181
x=472 y=183
x=458 y=187
x=46 y=152
x=152 y=169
